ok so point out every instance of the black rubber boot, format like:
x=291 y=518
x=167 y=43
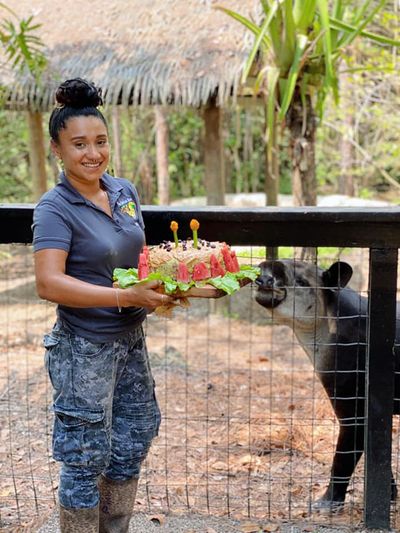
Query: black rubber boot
x=79 y=520
x=116 y=504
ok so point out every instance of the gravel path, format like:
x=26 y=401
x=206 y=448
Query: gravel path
x=142 y=523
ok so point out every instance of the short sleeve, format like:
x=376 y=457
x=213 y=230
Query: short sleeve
x=50 y=229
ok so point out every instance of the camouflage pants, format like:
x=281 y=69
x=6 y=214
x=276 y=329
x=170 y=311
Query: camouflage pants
x=106 y=413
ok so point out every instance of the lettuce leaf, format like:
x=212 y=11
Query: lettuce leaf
x=248 y=271
x=125 y=277
x=229 y=283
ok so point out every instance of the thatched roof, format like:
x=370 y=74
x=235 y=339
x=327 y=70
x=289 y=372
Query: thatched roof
x=138 y=51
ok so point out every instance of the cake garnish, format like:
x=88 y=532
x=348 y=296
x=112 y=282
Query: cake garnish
x=194 y=226
x=174 y=228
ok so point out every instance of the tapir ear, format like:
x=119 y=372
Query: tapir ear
x=337 y=275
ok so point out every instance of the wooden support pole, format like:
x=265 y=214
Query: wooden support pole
x=117 y=143
x=162 y=155
x=37 y=154
x=214 y=155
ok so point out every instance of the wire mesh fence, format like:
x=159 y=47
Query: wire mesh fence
x=247 y=431
x=28 y=474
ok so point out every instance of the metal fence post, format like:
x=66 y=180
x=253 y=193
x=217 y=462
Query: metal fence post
x=380 y=386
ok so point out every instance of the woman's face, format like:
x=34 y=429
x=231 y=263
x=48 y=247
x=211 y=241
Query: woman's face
x=84 y=149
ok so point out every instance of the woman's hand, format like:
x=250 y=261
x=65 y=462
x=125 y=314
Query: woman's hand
x=144 y=294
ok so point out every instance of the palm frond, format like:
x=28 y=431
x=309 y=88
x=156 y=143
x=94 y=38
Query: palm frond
x=272 y=86
x=301 y=43
x=349 y=37
x=304 y=14
x=240 y=18
x=326 y=36
x=22 y=47
x=290 y=27
x=381 y=39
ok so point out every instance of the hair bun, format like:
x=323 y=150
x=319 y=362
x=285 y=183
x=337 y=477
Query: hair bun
x=78 y=93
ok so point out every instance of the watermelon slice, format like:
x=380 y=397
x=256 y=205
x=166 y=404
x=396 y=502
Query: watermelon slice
x=183 y=273
x=200 y=272
x=226 y=254
x=235 y=262
x=216 y=267
x=143 y=267
x=146 y=252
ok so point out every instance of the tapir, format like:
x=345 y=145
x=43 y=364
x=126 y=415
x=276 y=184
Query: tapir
x=329 y=320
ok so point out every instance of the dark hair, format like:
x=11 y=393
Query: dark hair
x=74 y=98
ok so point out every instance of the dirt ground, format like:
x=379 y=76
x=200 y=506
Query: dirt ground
x=247 y=431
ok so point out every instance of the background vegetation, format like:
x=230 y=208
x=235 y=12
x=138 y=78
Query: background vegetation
x=358 y=137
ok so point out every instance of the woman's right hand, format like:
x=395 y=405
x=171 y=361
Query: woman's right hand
x=144 y=294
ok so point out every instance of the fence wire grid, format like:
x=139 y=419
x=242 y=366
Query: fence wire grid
x=247 y=430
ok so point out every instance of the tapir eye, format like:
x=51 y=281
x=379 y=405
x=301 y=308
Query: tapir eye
x=302 y=282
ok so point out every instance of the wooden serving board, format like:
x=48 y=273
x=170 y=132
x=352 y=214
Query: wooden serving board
x=208 y=291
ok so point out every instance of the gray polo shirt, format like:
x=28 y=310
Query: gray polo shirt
x=96 y=244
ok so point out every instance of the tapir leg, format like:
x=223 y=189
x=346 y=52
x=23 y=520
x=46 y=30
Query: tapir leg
x=349 y=449
x=350 y=445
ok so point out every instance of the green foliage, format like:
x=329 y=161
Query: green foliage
x=186 y=168
x=365 y=193
x=186 y=165
x=369 y=99
x=23 y=49
x=325 y=254
x=314 y=41
x=244 y=149
x=372 y=98
x=301 y=45
x=15 y=183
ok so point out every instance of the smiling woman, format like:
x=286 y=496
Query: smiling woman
x=106 y=413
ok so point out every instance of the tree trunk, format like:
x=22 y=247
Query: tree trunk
x=271 y=186
x=146 y=181
x=271 y=167
x=347 y=150
x=117 y=144
x=214 y=155
x=302 y=126
x=252 y=176
x=55 y=168
x=236 y=152
x=37 y=154
x=162 y=155
x=214 y=173
x=346 y=178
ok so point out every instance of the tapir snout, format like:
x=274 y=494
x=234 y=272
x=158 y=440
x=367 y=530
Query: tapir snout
x=265 y=282
x=271 y=284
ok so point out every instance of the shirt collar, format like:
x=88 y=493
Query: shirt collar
x=68 y=191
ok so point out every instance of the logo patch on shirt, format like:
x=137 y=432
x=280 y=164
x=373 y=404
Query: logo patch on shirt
x=129 y=208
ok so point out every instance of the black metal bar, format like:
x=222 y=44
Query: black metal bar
x=380 y=387
x=269 y=226
x=15 y=223
x=281 y=227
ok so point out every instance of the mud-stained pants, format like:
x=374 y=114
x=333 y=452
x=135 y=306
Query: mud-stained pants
x=106 y=413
